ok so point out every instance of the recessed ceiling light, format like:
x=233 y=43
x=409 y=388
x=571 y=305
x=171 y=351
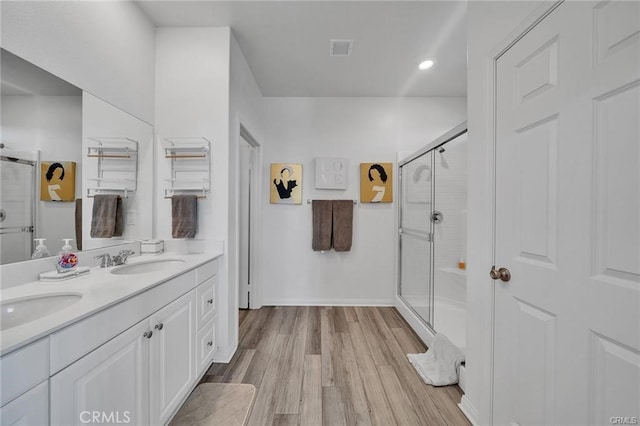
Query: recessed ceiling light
x=425 y=65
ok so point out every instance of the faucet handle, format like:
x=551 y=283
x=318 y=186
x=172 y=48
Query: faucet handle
x=106 y=260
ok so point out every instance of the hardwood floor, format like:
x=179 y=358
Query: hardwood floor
x=334 y=366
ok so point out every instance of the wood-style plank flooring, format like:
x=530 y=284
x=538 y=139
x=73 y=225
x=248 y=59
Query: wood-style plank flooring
x=334 y=366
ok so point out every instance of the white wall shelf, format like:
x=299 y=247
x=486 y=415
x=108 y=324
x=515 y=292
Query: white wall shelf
x=117 y=165
x=190 y=166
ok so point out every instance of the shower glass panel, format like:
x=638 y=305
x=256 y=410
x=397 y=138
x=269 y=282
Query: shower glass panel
x=17 y=180
x=416 y=235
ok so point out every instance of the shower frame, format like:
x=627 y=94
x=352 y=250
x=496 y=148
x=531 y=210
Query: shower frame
x=428 y=333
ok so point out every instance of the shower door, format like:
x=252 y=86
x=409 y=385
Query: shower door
x=416 y=235
x=17 y=180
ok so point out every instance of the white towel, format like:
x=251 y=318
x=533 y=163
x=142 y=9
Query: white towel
x=439 y=365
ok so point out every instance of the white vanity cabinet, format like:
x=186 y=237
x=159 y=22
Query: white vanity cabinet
x=24 y=393
x=143 y=374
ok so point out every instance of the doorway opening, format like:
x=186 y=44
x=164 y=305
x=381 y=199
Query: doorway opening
x=247 y=219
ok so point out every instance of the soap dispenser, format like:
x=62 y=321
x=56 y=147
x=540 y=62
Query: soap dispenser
x=41 y=250
x=67 y=259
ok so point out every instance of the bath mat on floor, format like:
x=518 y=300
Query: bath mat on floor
x=216 y=404
x=439 y=365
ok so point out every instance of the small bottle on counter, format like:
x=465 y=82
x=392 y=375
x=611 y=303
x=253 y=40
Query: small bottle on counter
x=67 y=259
x=462 y=264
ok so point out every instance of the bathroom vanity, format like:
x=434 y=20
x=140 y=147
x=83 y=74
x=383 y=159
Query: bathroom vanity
x=129 y=350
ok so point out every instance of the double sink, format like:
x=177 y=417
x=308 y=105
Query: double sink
x=19 y=311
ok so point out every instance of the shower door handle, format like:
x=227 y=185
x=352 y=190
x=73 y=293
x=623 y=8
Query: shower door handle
x=502 y=274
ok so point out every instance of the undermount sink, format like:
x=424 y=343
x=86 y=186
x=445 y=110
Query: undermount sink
x=20 y=311
x=146 y=266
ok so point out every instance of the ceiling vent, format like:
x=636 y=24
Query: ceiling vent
x=340 y=47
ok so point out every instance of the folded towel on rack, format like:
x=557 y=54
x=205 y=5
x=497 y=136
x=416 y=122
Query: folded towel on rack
x=342 y=224
x=184 y=216
x=322 y=224
x=106 y=216
x=78 y=223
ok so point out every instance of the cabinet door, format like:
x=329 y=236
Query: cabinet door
x=32 y=408
x=172 y=356
x=109 y=385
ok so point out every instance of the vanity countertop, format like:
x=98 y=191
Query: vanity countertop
x=99 y=289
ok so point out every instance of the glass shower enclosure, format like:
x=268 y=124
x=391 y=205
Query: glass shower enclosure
x=432 y=229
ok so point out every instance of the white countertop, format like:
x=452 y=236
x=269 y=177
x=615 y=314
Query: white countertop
x=100 y=289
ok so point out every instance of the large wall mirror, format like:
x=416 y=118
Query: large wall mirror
x=61 y=147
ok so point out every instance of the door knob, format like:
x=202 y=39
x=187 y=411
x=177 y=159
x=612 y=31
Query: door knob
x=159 y=326
x=148 y=334
x=210 y=301
x=502 y=274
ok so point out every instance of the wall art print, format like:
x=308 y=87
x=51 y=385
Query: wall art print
x=376 y=182
x=57 y=180
x=286 y=183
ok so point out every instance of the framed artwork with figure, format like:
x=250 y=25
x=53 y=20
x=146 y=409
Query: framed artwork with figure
x=286 y=183
x=57 y=181
x=376 y=182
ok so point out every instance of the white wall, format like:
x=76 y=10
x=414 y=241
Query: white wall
x=362 y=130
x=104 y=47
x=489 y=24
x=245 y=108
x=192 y=100
x=52 y=125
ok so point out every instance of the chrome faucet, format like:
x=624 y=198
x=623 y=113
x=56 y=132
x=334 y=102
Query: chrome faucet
x=122 y=256
x=106 y=260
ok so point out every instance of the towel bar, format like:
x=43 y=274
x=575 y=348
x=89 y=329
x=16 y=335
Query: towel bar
x=309 y=200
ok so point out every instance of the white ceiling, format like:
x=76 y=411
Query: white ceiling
x=286 y=43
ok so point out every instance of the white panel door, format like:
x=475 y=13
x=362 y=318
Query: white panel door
x=172 y=358
x=109 y=385
x=567 y=324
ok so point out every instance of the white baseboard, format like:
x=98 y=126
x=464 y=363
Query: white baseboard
x=469 y=411
x=224 y=357
x=327 y=302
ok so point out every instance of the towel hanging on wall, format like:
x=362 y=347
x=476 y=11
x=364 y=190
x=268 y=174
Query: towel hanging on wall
x=106 y=216
x=342 y=224
x=332 y=222
x=184 y=216
x=322 y=221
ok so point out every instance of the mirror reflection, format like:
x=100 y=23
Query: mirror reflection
x=49 y=176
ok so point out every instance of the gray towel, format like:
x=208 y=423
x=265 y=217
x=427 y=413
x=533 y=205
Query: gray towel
x=106 y=217
x=184 y=216
x=78 y=220
x=342 y=224
x=322 y=219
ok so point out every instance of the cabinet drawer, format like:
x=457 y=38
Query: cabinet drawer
x=205 y=346
x=206 y=271
x=206 y=301
x=23 y=369
x=32 y=408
